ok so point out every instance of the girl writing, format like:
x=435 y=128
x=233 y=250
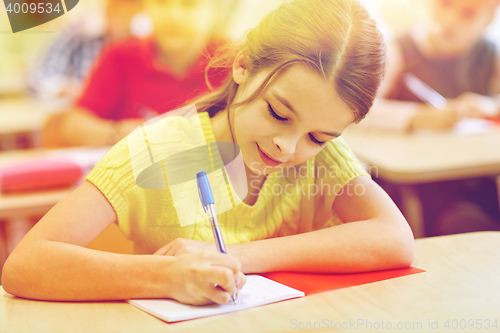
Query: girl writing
x=306 y=72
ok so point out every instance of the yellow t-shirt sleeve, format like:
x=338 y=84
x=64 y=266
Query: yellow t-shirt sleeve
x=113 y=176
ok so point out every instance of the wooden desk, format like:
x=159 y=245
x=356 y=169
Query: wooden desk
x=12 y=83
x=420 y=158
x=21 y=120
x=31 y=204
x=37 y=203
x=461 y=283
x=408 y=159
x=20 y=211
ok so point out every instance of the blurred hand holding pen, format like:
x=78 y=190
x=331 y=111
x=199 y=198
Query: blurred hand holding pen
x=424 y=92
x=438 y=114
x=450 y=110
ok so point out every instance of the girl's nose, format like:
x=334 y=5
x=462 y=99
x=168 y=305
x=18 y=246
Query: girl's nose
x=286 y=145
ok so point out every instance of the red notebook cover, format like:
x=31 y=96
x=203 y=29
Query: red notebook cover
x=38 y=175
x=312 y=283
x=496 y=120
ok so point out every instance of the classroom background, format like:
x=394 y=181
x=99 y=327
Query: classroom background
x=27 y=99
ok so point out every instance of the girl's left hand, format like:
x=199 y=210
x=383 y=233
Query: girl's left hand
x=181 y=246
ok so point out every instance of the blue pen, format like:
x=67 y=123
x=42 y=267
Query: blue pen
x=207 y=201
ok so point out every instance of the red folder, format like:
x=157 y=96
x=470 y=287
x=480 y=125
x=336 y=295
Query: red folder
x=38 y=175
x=312 y=283
x=495 y=120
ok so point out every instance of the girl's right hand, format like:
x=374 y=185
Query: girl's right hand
x=204 y=278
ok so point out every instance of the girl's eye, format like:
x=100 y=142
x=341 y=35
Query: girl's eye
x=313 y=139
x=273 y=114
x=278 y=118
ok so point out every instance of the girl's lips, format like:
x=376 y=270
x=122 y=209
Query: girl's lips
x=266 y=159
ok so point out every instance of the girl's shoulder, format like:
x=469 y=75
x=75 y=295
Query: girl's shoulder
x=154 y=140
x=165 y=136
x=169 y=127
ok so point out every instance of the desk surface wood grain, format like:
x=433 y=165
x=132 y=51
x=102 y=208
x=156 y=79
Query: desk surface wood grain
x=21 y=115
x=426 y=157
x=460 y=285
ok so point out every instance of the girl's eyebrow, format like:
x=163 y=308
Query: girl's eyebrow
x=284 y=102
x=336 y=135
x=289 y=107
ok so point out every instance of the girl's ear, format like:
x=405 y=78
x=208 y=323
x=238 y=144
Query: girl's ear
x=240 y=72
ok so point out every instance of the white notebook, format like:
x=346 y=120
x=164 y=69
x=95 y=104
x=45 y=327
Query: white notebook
x=257 y=291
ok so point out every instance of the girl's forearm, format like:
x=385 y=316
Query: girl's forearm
x=347 y=248
x=57 y=271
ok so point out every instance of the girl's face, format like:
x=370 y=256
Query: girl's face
x=291 y=121
x=180 y=24
x=456 y=25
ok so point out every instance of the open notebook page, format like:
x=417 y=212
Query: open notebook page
x=257 y=291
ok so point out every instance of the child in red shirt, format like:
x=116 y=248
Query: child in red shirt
x=135 y=79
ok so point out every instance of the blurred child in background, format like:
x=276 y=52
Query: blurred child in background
x=135 y=79
x=66 y=63
x=449 y=53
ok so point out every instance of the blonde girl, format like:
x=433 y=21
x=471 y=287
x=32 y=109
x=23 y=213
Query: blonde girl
x=310 y=69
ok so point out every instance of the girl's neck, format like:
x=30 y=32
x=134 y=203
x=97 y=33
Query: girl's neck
x=254 y=184
x=220 y=127
x=222 y=133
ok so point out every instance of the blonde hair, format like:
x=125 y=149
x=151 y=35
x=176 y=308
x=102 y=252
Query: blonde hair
x=338 y=38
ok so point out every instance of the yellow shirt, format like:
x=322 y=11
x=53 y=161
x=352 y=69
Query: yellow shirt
x=294 y=200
